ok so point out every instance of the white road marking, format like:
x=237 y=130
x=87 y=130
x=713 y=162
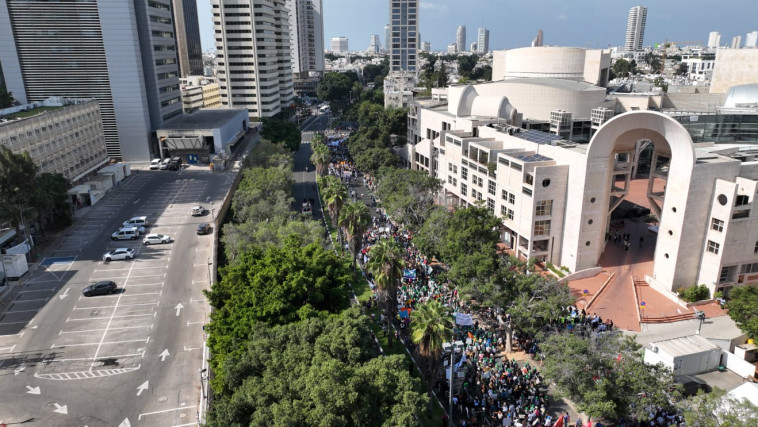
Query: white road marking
x=95 y=343
x=125 y=423
x=19 y=311
x=32 y=390
x=115 y=356
x=164 y=411
x=111 y=317
x=150 y=326
x=112 y=306
x=19 y=370
x=60 y=409
x=144 y=386
x=31 y=300
x=164 y=354
x=64 y=295
x=40 y=290
x=192 y=348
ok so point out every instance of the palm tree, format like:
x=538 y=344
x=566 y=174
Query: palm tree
x=321 y=157
x=432 y=325
x=354 y=220
x=335 y=194
x=386 y=264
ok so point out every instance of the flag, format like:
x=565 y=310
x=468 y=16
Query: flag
x=470 y=335
x=559 y=422
x=463 y=360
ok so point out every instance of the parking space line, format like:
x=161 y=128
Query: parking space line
x=109 y=356
x=20 y=311
x=111 y=317
x=164 y=411
x=31 y=300
x=113 y=306
x=97 y=343
x=146 y=284
x=150 y=326
x=38 y=290
x=11 y=348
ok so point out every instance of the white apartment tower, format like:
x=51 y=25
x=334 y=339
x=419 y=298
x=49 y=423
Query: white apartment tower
x=736 y=42
x=338 y=44
x=387 y=38
x=306 y=21
x=751 y=39
x=483 y=41
x=120 y=52
x=253 y=55
x=635 y=28
x=374 y=44
x=404 y=35
x=460 y=38
x=714 y=39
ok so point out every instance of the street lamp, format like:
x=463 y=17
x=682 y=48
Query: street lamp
x=202 y=379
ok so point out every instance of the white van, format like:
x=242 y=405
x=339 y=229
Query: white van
x=137 y=221
x=155 y=164
x=126 y=233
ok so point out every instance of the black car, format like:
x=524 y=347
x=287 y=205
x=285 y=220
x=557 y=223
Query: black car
x=100 y=288
x=203 y=228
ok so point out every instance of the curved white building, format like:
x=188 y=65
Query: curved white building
x=557 y=62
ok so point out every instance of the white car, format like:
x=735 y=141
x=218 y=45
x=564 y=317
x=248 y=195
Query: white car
x=198 y=210
x=120 y=253
x=126 y=233
x=155 y=164
x=152 y=239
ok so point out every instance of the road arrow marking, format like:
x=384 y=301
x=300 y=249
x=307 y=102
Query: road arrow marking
x=32 y=390
x=178 y=308
x=19 y=370
x=164 y=354
x=64 y=295
x=60 y=409
x=142 y=388
x=125 y=423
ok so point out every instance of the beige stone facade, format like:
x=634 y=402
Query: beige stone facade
x=734 y=67
x=68 y=140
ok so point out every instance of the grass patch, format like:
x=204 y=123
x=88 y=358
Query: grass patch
x=30 y=113
x=558 y=272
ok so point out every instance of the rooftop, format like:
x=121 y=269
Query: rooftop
x=685 y=345
x=29 y=113
x=203 y=119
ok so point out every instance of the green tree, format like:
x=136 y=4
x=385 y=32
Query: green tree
x=743 y=308
x=335 y=89
x=314 y=373
x=6 y=98
x=282 y=132
x=372 y=160
x=354 y=220
x=441 y=80
x=432 y=325
x=621 y=68
x=717 y=409
x=334 y=193
x=408 y=195
x=605 y=376
x=321 y=157
x=268 y=154
x=17 y=177
x=238 y=238
x=50 y=200
x=682 y=69
x=695 y=293
x=466 y=64
x=275 y=285
x=386 y=265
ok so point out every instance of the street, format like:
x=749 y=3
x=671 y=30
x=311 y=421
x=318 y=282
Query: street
x=131 y=358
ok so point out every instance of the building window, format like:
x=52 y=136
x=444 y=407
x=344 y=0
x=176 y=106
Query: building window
x=724 y=276
x=503 y=211
x=755 y=249
x=542 y=228
x=544 y=208
x=749 y=268
x=510 y=214
x=717 y=224
x=464 y=188
x=464 y=173
x=491 y=187
x=741 y=214
x=713 y=247
x=491 y=205
x=480 y=181
x=742 y=200
x=504 y=195
x=526 y=191
x=529 y=179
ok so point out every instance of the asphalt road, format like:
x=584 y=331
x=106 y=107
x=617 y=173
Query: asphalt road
x=132 y=358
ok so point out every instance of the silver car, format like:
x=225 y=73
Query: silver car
x=120 y=253
x=152 y=239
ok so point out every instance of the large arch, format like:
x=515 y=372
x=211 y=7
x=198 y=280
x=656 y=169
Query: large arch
x=595 y=191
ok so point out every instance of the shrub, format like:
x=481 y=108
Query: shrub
x=695 y=293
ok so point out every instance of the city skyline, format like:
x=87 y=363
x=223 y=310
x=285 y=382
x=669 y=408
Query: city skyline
x=591 y=23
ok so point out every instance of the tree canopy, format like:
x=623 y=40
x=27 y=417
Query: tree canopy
x=315 y=372
x=743 y=309
x=408 y=195
x=275 y=285
x=282 y=132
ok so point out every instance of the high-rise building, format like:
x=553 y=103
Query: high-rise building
x=483 y=41
x=387 y=37
x=537 y=42
x=426 y=46
x=120 y=52
x=452 y=48
x=460 y=38
x=714 y=39
x=338 y=44
x=736 y=42
x=374 y=46
x=187 y=30
x=473 y=47
x=264 y=85
x=306 y=21
x=404 y=34
x=751 y=39
x=635 y=28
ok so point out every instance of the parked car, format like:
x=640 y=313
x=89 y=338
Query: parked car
x=103 y=287
x=203 y=228
x=155 y=164
x=175 y=164
x=198 y=210
x=306 y=210
x=137 y=221
x=126 y=233
x=152 y=239
x=164 y=164
x=120 y=253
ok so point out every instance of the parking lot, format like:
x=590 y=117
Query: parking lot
x=143 y=343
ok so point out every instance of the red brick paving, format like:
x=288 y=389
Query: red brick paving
x=590 y=284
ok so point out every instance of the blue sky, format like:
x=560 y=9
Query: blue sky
x=583 y=23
